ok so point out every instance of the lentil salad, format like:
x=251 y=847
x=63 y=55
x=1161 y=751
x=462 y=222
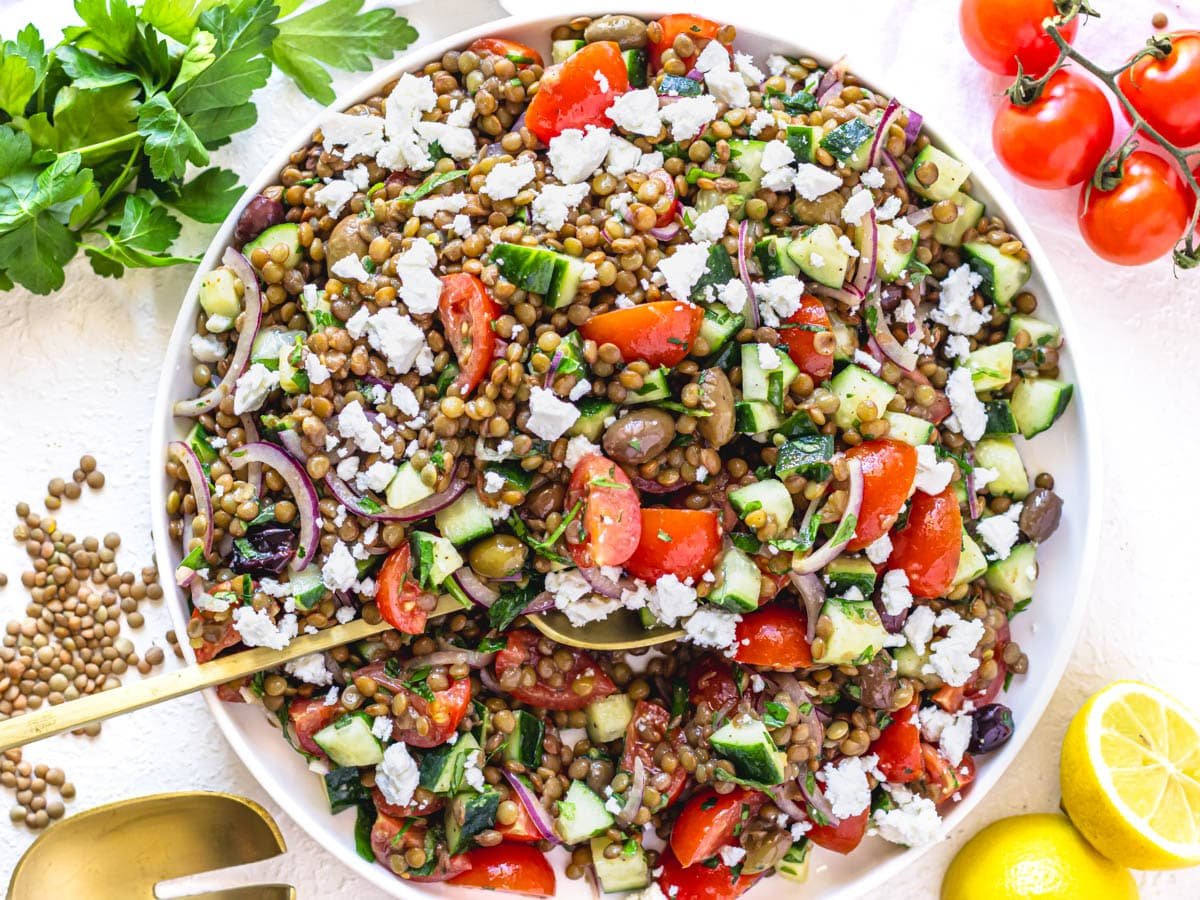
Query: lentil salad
x=738 y=351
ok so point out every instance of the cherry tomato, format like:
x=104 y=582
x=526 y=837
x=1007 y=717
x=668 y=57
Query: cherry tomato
x=709 y=821
x=710 y=680
x=513 y=868
x=650 y=718
x=661 y=332
x=927 y=548
x=888 y=469
x=522 y=831
x=514 y=51
x=948 y=697
x=684 y=542
x=609 y=528
x=1002 y=33
x=228 y=637
x=1060 y=138
x=574 y=95
x=695 y=27
x=397 y=595
x=468 y=311
x=1166 y=92
x=434 y=804
x=774 y=637
x=717 y=882
x=899 y=747
x=942 y=780
x=1140 y=219
x=306 y=718
x=396 y=836
x=842 y=837
x=801 y=343
x=522 y=649
x=445 y=710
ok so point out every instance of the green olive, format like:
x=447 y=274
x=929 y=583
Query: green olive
x=497 y=556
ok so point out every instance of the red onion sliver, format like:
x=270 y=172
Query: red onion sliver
x=744 y=271
x=633 y=799
x=920 y=216
x=663 y=177
x=879 y=142
x=913 y=129
x=850 y=295
x=254 y=473
x=664 y=232
x=972 y=498
x=554 y=363
x=881 y=334
x=204 y=507
x=650 y=486
x=845 y=529
x=541 y=603
x=601 y=583
x=868 y=261
x=363 y=505
x=537 y=813
x=477 y=592
x=303 y=493
x=831 y=82
x=812 y=592
x=290 y=439
x=251 y=320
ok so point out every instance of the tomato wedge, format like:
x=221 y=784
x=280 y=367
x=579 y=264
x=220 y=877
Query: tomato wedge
x=467 y=311
x=406 y=812
x=206 y=651
x=709 y=821
x=942 y=780
x=514 y=51
x=684 y=542
x=774 y=637
x=307 y=717
x=842 y=837
x=607 y=531
x=927 y=548
x=522 y=650
x=578 y=92
x=645 y=730
x=801 y=341
x=512 y=868
x=888 y=468
x=661 y=332
x=697 y=28
x=899 y=747
x=444 y=711
x=391 y=835
x=710 y=680
x=397 y=595
x=521 y=831
x=716 y=882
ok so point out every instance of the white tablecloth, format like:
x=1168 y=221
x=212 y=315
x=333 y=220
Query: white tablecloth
x=78 y=372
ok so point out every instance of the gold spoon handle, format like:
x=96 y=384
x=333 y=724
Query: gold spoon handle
x=51 y=720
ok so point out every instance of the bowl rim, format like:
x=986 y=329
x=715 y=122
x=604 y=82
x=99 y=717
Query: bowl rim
x=1089 y=451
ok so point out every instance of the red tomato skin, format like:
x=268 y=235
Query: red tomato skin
x=512 y=868
x=888 y=468
x=999 y=33
x=661 y=333
x=711 y=681
x=465 y=299
x=650 y=716
x=777 y=636
x=306 y=718
x=1166 y=92
x=522 y=831
x=929 y=545
x=843 y=837
x=801 y=343
x=702 y=882
x=206 y=651
x=610 y=525
x=570 y=95
x=948 y=697
x=406 y=812
x=387 y=831
x=522 y=646
x=516 y=52
x=1058 y=140
x=899 y=748
x=695 y=27
x=397 y=595
x=695 y=542
x=708 y=822
x=446 y=709
x=1142 y=218
x=943 y=781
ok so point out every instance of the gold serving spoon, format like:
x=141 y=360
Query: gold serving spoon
x=622 y=630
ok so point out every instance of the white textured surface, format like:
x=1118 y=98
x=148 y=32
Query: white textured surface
x=78 y=373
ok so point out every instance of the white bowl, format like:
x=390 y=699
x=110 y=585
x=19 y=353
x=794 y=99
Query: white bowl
x=1069 y=451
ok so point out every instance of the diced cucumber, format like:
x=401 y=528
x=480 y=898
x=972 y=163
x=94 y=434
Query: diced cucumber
x=850 y=143
x=269 y=343
x=1000 y=454
x=950 y=174
x=679 y=86
x=1003 y=276
x=847 y=572
x=909 y=662
x=892 y=261
x=804 y=139
x=308 y=589
x=854 y=385
x=910 y=429
x=570 y=356
x=568 y=272
x=719 y=325
x=755 y=417
x=745 y=165
x=292 y=376
x=466 y=519
x=635 y=67
x=539 y=270
x=773 y=259
x=808 y=455
x=794 y=864
x=433 y=558
x=441 y=769
x=990 y=366
x=317 y=309
x=817 y=252
x=739 y=582
x=593 y=411
x=1041 y=333
x=970 y=211
x=608 y=718
x=581 y=814
x=198 y=439
x=759 y=383
x=219 y=298
x=406 y=487
x=770 y=496
x=286 y=233
x=971 y=562
x=348 y=741
x=627 y=871
x=514 y=476
x=344 y=788
x=746 y=743
x=524 y=743
x=1015 y=575
x=707 y=199
x=999 y=418
x=467 y=814
x=718 y=270
x=857 y=633
x=560 y=50
x=654 y=387
x=845 y=339
x=1038 y=402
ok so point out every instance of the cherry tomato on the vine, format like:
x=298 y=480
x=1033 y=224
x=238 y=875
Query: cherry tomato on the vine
x=1002 y=33
x=1166 y=92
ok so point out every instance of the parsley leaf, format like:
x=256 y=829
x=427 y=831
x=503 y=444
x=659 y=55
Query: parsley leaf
x=23 y=65
x=432 y=183
x=206 y=198
x=144 y=232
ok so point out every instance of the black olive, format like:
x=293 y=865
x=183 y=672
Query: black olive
x=266 y=549
x=259 y=215
x=991 y=727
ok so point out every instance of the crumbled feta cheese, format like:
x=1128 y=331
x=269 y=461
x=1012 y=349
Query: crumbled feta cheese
x=671 y=600
x=776 y=155
x=867 y=361
x=777 y=64
x=601 y=80
x=430 y=206
x=652 y=892
x=614 y=806
x=379 y=475
x=208 y=349
x=506 y=179
x=257 y=629
x=816 y=258
x=913 y=822
x=211 y=603
x=918 y=628
x=894 y=594
x=906 y=312
x=954 y=309
x=347 y=468
x=575 y=598
x=581 y=388
x=623 y=156
x=968 y=408
x=905 y=229
x=1000 y=533
x=472 y=774
x=405 y=400
x=356 y=325
x=932 y=474
x=812 y=182
x=767 y=357
x=728 y=87
x=887 y=209
x=344 y=614
x=359 y=177
x=315 y=369
x=356 y=135
x=350 y=268
x=398 y=776
x=871 y=178
x=778 y=298
x=310 y=669
x=354 y=425
x=398 y=338
x=456 y=141
x=710 y=225
x=333 y=695
x=751 y=73
x=684 y=267
x=334 y=196
x=713 y=57
x=731 y=855
x=555 y=202
x=405 y=149
x=688 y=116
x=779 y=180
x=800 y=829
x=461 y=225
x=951 y=659
x=576 y=155
x=763 y=119
x=846 y=786
x=879 y=551
x=420 y=288
x=493 y=482
x=956 y=346
x=702 y=476
x=636 y=112
x=650 y=162
x=733 y=294
x=339 y=572
x=577 y=448
x=712 y=627
x=253 y=387
x=381 y=727
x=983 y=476
x=549 y=417
x=847 y=246
x=955 y=738
x=860 y=203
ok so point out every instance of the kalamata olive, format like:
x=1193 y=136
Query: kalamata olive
x=892 y=624
x=877 y=682
x=1040 y=514
x=639 y=436
x=542 y=501
x=347 y=239
x=259 y=215
x=716 y=397
x=497 y=556
x=627 y=31
x=265 y=550
x=991 y=727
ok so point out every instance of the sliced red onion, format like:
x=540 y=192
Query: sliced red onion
x=254 y=473
x=303 y=493
x=812 y=592
x=817 y=799
x=813 y=504
x=752 y=318
x=881 y=334
x=868 y=260
x=972 y=497
x=204 y=506
x=913 y=129
x=290 y=439
x=537 y=813
x=650 y=486
x=494 y=150
x=789 y=808
x=371 y=379
x=695 y=74
x=600 y=583
x=845 y=529
x=831 y=82
x=543 y=602
x=663 y=177
x=633 y=797
x=488 y=679
x=920 y=216
x=664 y=232
x=554 y=363
x=477 y=592
x=251 y=320
x=518 y=123
x=879 y=143
x=850 y=295
x=364 y=505
x=894 y=165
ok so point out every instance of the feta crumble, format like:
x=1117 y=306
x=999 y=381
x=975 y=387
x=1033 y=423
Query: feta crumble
x=350 y=268
x=381 y=727
x=671 y=600
x=710 y=225
x=867 y=361
x=895 y=594
x=257 y=629
x=812 y=182
x=431 y=206
x=968 y=408
x=334 y=196
x=871 y=178
x=636 y=112
x=549 y=417
x=846 y=786
x=684 y=267
x=253 y=387
x=954 y=309
x=506 y=179
x=354 y=425
x=918 y=628
x=310 y=669
x=397 y=776
x=778 y=298
x=733 y=294
x=880 y=549
x=951 y=659
x=340 y=571
x=207 y=349
x=914 y=822
x=712 y=627
x=577 y=448
x=688 y=116
x=1001 y=532
x=399 y=339
x=555 y=202
x=860 y=203
x=932 y=474
x=575 y=155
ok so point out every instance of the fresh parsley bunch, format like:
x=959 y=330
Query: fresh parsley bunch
x=97 y=132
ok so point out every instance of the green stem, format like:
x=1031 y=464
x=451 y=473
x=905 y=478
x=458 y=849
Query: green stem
x=118 y=184
x=118 y=142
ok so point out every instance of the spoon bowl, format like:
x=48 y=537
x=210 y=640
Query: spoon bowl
x=622 y=630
